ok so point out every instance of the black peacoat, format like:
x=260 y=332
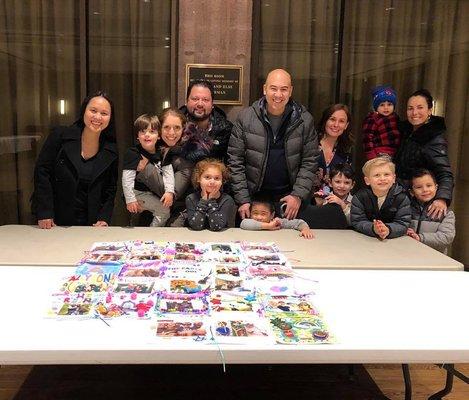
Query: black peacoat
x=56 y=178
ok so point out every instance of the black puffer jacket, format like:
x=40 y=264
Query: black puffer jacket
x=249 y=147
x=425 y=147
x=395 y=212
x=219 y=133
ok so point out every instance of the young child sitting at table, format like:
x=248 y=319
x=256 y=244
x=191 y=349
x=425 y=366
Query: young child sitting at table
x=208 y=207
x=342 y=182
x=262 y=218
x=438 y=234
x=383 y=209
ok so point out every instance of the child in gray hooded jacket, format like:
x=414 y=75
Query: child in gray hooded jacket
x=439 y=233
x=262 y=218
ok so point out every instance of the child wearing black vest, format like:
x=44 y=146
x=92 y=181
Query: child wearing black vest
x=137 y=195
x=383 y=209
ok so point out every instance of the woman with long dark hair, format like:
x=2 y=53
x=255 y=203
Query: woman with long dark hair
x=335 y=143
x=424 y=146
x=76 y=172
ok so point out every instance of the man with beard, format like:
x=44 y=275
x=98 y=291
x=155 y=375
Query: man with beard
x=214 y=130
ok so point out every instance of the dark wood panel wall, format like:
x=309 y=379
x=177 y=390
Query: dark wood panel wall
x=215 y=32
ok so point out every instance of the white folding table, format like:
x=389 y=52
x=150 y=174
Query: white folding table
x=330 y=249
x=392 y=301
x=376 y=317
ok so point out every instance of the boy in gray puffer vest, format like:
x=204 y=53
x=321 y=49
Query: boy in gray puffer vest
x=438 y=234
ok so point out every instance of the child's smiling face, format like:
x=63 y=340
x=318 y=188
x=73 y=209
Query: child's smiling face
x=148 y=139
x=260 y=212
x=211 y=179
x=380 y=178
x=424 y=188
x=341 y=185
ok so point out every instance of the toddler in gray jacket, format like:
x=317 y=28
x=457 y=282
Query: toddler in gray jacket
x=436 y=233
x=263 y=218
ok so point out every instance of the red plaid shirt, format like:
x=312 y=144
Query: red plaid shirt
x=380 y=135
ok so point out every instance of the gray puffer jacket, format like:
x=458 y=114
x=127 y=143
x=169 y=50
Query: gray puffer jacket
x=438 y=234
x=249 y=147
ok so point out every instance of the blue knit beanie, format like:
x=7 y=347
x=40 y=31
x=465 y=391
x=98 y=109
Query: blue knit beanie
x=383 y=93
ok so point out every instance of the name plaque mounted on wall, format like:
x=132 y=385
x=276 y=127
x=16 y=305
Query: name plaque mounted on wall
x=227 y=80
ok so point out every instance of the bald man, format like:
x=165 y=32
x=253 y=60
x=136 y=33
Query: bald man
x=273 y=149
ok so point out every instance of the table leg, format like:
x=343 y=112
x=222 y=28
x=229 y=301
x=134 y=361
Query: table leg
x=351 y=372
x=407 y=382
x=451 y=372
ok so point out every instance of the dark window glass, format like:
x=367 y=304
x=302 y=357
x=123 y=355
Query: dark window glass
x=302 y=37
x=52 y=54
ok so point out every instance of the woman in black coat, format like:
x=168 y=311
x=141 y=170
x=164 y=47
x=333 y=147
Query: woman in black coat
x=76 y=172
x=424 y=146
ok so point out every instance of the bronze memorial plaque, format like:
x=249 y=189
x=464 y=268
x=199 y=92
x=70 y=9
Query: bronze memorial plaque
x=227 y=80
